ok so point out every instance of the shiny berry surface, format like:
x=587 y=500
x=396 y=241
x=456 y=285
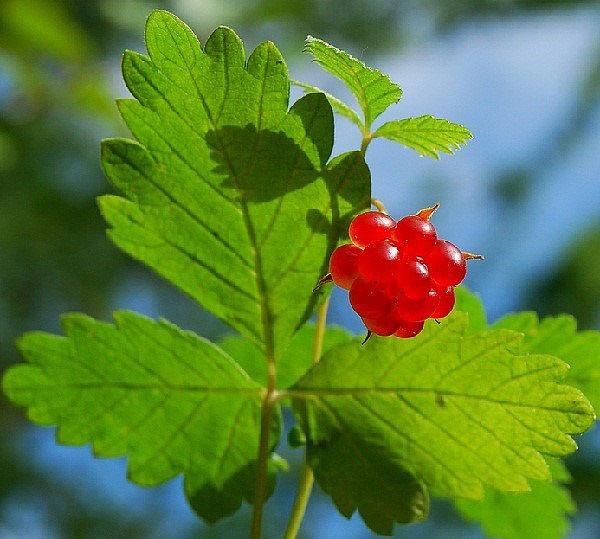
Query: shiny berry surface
x=416 y=236
x=398 y=274
x=379 y=262
x=370 y=227
x=411 y=310
x=343 y=265
x=447 y=266
x=413 y=278
x=384 y=326
x=409 y=329
x=369 y=300
x=445 y=304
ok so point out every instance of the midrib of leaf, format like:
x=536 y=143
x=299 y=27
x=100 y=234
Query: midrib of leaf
x=310 y=236
x=187 y=388
x=394 y=391
x=357 y=84
x=265 y=308
x=282 y=197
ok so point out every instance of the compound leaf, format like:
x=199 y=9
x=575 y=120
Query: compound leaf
x=336 y=104
x=169 y=400
x=462 y=411
x=226 y=192
x=374 y=90
x=425 y=134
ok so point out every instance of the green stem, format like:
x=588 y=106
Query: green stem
x=307 y=477
x=366 y=140
x=260 y=489
x=306 y=483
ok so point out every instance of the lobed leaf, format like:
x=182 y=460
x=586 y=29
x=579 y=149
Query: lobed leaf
x=543 y=512
x=462 y=411
x=360 y=478
x=374 y=90
x=508 y=515
x=558 y=335
x=336 y=104
x=425 y=134
x=167 y=399
x=226 y=192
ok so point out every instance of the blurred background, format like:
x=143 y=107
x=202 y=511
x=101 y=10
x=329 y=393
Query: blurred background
x=524 y=76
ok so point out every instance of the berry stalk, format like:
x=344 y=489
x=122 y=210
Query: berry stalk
x=307 y=478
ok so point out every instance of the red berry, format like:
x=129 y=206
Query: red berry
x=379 y=261
x=369 y=227
x=343 y=265
x=447 y=266
x=369 y=300
x=413 y=278
x=409 y=329
x=414 y=235
x=384 y=326
x=415 y=310
x=445 y=303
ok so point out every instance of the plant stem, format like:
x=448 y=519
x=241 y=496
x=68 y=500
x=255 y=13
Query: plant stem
x=320 y=331
x=263 y=450
x=304 y=489
x=307 y=477
x=366 y=140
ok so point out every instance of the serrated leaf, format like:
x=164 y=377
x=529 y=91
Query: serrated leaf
x=425 y=134
x=542 y=513
x=374 y=90
x=336 y=104
x=226 y=192
x=167 y=399
x=359 y=478
x=294 y=363
x=558 y=335
x=461 y=411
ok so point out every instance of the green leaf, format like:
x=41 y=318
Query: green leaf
x=374 y=90
x=359 y=477
x=461 y=411
x=559 y=336
x=543 y=512
x=226 y=193
x=336 y=104
x=425 y=134
x=471 y=304
x=293 y=364
x=167 y=399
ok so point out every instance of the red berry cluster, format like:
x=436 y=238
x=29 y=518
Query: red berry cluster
x=399 y=274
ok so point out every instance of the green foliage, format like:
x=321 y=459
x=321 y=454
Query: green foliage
x=539 y=513
x=232 y=196
x=426 y=134
x=360 y=476
x=169 y=400
x=296 y=360
x=336 y=104
x=222 y=172
x=461 y=411
x=559 y=336
x=508 y=515
x=373 y=90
